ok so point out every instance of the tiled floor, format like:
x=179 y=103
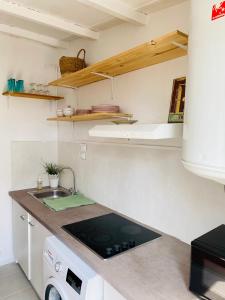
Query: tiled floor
x=14 y=285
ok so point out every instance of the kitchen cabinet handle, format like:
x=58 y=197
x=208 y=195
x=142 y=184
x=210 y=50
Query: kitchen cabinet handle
x=22 y=217
x=31 y=224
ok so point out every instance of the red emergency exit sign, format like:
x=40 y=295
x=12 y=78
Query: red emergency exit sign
x=218 y=10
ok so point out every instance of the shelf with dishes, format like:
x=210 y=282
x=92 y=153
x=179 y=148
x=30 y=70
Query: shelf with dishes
x=97 y=112
x=162 y=49
x=16 y=88
x=90 y=117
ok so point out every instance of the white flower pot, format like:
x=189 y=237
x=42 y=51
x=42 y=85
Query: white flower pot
x=53 y=181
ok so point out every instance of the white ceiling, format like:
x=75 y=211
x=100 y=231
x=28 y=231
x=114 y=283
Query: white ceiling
x=70 y=10
x=73 y=11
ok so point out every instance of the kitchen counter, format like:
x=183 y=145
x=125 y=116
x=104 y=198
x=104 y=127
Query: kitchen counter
x=158 y=270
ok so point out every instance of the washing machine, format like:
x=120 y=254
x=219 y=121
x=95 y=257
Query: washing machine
x=66 y=276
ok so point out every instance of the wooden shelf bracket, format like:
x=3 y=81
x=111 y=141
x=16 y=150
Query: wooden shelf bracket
x=103 y=75
x=71 y=87
x=112 y=82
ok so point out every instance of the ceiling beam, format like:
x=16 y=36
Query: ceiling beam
x=148 y=3
x=46 y=19
x=22 y=33
x=118 y=9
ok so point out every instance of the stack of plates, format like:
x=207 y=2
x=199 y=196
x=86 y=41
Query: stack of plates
x=83 y=111
x=105 y=108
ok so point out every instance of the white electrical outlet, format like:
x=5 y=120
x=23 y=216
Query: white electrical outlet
x=83 y=147
x=83 y=151
x=83 y=155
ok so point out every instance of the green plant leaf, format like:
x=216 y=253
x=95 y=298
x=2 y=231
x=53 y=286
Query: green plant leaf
x=52 y=168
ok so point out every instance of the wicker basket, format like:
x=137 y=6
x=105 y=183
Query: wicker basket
x=72 y=64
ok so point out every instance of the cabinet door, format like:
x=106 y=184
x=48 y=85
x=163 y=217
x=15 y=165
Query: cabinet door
x=20 y=237
x=110 y=293
x=38 y=233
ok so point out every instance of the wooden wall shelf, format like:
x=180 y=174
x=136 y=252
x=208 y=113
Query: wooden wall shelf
x=91 y=117
x=167 y=47
x=32 y=96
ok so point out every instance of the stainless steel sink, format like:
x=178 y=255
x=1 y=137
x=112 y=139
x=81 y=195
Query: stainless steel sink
x=55 y=194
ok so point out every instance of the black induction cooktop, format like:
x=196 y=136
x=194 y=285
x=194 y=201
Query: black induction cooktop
x=110 y=234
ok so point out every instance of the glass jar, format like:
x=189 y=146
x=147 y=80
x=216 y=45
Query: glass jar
x=33 y=88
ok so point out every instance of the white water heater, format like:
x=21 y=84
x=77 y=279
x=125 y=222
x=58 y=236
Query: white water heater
x=204 y=127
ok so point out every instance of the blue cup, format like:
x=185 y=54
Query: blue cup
x=20 y=86
x=11 y=85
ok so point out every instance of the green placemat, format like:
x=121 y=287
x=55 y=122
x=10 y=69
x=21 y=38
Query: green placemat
x=63 y=203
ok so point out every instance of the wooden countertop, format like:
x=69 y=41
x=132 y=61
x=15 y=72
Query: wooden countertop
x=158 y=270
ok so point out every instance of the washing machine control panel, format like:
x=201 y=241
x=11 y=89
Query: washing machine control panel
x=49 y=256
x=74 y=281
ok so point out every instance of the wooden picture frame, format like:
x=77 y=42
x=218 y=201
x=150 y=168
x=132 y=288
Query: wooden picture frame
x=176 y=113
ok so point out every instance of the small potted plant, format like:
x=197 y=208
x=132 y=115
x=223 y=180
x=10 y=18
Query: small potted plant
x=53 y=171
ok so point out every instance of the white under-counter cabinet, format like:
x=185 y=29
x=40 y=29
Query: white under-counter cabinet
x=110 y=293
x=20 y=237
x=38 y=234
x=28 y=240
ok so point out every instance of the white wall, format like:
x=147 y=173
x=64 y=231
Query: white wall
x=26 y=136
x=149 y=185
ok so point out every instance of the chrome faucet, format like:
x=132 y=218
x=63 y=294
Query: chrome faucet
x=73 y=189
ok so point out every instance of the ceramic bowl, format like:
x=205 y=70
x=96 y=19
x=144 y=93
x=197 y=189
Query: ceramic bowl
x=68 y=111
x=59 y=112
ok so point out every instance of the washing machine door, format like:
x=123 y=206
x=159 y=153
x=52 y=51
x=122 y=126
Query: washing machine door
x=54 y=291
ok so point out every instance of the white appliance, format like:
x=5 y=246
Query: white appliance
x=138 y=131
x=66 y=276
x=204 y=127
